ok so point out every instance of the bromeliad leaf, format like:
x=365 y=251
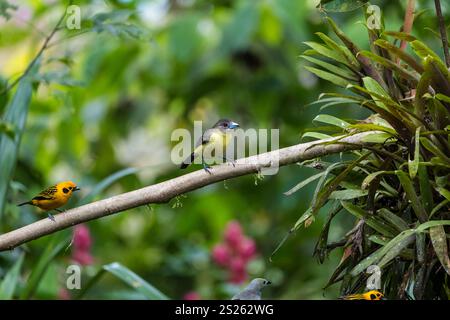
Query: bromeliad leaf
x=332 y=68
x=347 y=194
x=400 y=71
x=325 y=118
x=377 y=225
x=422 y=50
x=380 y=253
x=412 y=196
x=396 y=51
x=366 y=182
x=315 y=135
x=326 y=52
x=400 y=35
x=304 y=183
x=328 y=76
x=413 y=165
x=393 y=219
x=439 y=241
x=430 y=146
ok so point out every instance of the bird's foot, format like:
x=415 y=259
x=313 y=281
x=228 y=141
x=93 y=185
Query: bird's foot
x=206 y=168
x=232 y=161
x=59 y=210
x=51 y=217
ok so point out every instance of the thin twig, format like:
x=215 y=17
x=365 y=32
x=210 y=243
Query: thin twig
x=443 y=31
x=33 y=62
x=408 y=22
x=165 y=191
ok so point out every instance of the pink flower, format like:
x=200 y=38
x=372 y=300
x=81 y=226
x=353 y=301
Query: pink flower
x=63 y=294
x=233 y=234
x=82 y=237
x=82 y=243
x=221 y=254
x=237 y=264
x=191 y=295
x=238 y=277
x=234 y=253
x=84 y=258
x=247 y=248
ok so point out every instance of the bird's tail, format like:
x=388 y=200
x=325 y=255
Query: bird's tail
x=24 y=203
x=187 y=161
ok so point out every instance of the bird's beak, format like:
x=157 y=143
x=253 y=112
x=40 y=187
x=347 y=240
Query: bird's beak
x=76 y=189
x=233 y=125
x=269 y=282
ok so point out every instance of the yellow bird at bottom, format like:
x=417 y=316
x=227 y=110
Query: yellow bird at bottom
x=369 y=295
x=53 y=197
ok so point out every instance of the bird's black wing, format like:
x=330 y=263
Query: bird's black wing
x=47 y=194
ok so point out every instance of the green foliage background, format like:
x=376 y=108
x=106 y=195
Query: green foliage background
x=110 y=95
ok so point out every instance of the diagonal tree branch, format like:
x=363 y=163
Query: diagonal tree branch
x=165 y=191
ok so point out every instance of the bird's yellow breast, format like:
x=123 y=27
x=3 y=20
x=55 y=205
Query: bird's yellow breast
x=220 y=139
x=50 y=204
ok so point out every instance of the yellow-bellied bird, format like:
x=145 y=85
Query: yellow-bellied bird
x=54 y=197
x=216 y=138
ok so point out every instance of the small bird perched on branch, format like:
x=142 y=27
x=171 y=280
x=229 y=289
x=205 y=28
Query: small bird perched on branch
x=53 y=197
x=253 y=290
x=216 y=138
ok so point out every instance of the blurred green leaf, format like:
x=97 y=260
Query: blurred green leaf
x=136 y=282
x=58 y=243
x=9 y=282
x=238 y=32
x=341 y=5
x=5 y=8
x=117 y=23
x=7 y=128
x=16 y=115
x=105 y=183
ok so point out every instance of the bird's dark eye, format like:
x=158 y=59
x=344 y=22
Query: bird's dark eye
x=225 y=124
x=65 y=190
x=372 y=297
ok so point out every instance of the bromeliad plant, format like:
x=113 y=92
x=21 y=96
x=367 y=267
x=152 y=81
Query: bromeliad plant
x=398 y=190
